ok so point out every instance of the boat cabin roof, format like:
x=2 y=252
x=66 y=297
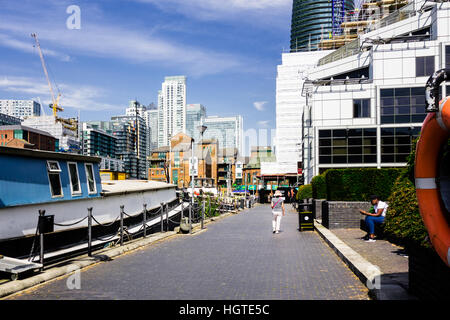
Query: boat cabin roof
x=50 y=155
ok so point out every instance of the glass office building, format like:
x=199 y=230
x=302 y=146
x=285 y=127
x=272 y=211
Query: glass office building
x=227 y=130
x=195 y=115
x=314 y=20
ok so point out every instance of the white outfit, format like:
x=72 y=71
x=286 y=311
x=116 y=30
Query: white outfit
x=276 y=221
x=381 y=205
x=277 y=213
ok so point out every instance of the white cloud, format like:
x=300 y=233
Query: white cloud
x=78 y=97
x=263 y=123
x=228 y=10
x=112 y=41
x=259 y=105
x=7 y=41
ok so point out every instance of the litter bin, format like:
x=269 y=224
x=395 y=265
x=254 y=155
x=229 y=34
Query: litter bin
x=305 y=217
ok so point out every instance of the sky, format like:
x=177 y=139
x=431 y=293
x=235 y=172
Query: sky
x=103 y=53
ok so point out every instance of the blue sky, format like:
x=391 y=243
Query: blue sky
x=228 y=49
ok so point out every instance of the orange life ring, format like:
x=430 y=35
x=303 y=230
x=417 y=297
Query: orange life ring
x=435 y=132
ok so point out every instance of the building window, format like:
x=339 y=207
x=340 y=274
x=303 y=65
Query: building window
x=74 y=178
x=447 y=57
x=402 y=105
x=54 y=178
x=361 y=108
x=396 y=143
x=343 y=146
x=424 y=66
x=90 y=178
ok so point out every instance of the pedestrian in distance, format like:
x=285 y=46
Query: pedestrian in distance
x=277 y=205
x=377 y=217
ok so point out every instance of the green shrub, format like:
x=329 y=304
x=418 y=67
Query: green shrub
x=357 y=184
x=403 y=223
x=319 y=187
x=304 y=192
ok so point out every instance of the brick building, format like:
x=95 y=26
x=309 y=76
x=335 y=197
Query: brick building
x=175 y=158
x=19 y=136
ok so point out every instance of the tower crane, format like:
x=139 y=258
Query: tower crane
x=55 y=101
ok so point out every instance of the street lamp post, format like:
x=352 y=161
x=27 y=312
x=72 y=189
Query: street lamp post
x=192 y=184
x=202 y=130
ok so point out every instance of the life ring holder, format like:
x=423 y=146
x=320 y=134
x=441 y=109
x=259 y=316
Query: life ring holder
x=434 y=134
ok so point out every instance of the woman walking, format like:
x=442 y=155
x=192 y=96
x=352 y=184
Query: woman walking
x=277 y=210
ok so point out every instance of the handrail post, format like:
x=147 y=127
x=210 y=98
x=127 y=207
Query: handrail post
x=182 y=209
x=121 y=224
x=190 y=217
x=144 y=219
x=162 y=216
x=167 y=216
x=203 y=212
x=41 y=241
x=90 y=232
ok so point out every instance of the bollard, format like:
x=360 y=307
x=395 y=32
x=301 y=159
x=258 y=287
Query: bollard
x=144 y=219
x=121 y=225
x=41 y=243
x=90 y=232
x=162 y=215
x=203 y=212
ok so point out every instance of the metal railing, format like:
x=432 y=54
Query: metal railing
x=203 y=207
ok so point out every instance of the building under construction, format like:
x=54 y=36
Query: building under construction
x=369 y=16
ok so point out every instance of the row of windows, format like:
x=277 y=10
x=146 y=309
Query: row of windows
x=342 y=146
x=54 y=177
x=402 y=105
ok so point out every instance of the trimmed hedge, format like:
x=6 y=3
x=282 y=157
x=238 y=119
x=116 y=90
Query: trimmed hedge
x=357 y=184
x=304 y=192
x=319 y=187
x=403 y=223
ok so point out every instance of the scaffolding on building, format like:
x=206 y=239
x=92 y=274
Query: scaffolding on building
x=370 y=16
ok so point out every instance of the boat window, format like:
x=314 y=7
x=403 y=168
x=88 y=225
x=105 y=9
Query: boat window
x=53 y=166
x=54 y=178
x=74 y=178
x=90 y=177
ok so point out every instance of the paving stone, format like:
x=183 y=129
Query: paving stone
x=236 y=258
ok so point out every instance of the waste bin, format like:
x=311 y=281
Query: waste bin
x=306 y=221
x=305 y=217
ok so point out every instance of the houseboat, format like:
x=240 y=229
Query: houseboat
x=65 y=186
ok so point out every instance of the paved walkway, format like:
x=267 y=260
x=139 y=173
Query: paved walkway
x=235 y=258
x=391 y=259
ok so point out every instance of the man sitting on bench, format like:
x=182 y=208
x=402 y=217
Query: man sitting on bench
x=380 y=209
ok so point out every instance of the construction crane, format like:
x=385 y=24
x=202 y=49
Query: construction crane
x=55 y=101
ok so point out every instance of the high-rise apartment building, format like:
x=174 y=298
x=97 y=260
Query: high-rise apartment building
x=131 y=134
x=314 y=20
x=171 y=109
x=97 y=142
x=227 y=130
x=20 y=108
x=195 y=115
x=151 y=118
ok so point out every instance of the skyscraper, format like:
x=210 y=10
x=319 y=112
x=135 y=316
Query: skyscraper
x=315 y=20
x=128 y=130
x=227 y=130
x=195 y=115
x=151 y=118
x=171 y=109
